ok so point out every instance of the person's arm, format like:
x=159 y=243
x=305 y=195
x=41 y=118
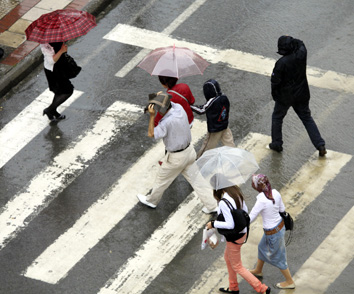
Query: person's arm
x=63 y=49
x=201 y=109
x=276 y=80
x=256 y=210
x=229 y=220
x=151 y=120
x=281 y=206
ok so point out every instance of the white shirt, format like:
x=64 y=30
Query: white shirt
x=225 y=210
x=174 y=129
x=48 y=53
x=268 y=210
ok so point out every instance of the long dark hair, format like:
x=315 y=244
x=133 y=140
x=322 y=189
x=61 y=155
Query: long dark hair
x=234 y=192
x=170 y=82
x=56 y=46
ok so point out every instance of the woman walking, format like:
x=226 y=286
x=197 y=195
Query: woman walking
x=271 y=248
x=232 y=254
x=58 y=83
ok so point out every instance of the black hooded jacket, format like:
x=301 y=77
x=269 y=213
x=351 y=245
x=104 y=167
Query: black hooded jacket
x=289 y=82
x=216 y=108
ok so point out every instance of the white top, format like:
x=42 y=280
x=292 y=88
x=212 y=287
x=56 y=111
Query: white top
x=225 y=210
x=48 y=53
x=268 y=210
x=174 y=129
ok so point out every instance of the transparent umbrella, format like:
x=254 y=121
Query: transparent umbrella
x=226 y=166
x=173 y=62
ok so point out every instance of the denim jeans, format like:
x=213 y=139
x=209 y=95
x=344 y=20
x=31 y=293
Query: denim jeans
x=304 y=113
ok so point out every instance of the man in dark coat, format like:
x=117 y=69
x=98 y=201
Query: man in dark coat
x=290 y=89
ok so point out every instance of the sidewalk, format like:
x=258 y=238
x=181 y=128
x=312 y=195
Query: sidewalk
x=22 y=55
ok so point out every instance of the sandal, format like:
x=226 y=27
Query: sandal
x=227 y=290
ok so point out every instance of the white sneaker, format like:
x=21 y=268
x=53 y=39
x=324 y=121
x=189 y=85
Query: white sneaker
x=207 y=211
x=142 y=199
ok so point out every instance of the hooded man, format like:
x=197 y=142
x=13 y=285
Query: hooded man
x=174 y=130
x=290 y=89
x=217 y=110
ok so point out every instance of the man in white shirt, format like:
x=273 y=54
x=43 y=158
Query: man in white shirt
x=180 y=155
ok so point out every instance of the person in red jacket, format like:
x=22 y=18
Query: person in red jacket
x=181 y=94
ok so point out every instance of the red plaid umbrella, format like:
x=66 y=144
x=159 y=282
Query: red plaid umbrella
x=60 y=26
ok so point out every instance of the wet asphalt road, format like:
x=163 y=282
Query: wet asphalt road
x=248 y=26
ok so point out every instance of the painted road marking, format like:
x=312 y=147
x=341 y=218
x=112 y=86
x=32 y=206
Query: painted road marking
x=57 y=260
x=167 y=240
x=235 y=59
x=303 y=188
x=329 y=260
x=168 y=30
x=12 y=136
x=44 y=187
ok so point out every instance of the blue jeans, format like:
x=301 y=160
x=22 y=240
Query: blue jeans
x=304 y=113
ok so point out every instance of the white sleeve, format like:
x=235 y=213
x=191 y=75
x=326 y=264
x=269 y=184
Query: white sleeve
x=48 y=53
x=257 y=208
x=229 y=221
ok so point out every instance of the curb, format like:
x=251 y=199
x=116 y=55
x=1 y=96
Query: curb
x=15 y=75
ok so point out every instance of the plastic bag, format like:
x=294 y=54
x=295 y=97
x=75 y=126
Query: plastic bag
x=209 y=237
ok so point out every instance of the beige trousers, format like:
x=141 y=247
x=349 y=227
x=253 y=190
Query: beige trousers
x=212 y=140
x=183 y=163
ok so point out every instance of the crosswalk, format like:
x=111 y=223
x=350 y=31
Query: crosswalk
x=58 y=260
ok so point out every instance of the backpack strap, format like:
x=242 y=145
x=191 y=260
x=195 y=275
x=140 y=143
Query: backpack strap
x=179 y=95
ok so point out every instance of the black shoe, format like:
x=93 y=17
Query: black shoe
x=268 y=290
x=322 y=151
x=275 y=147
x=227 y=290
x=50 y=116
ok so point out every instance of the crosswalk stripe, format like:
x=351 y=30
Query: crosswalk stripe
x=168 y=30
x=235 y=59
x=56 y=261
x=12 y=136
x=43 y=188
x=167 y=240
x=329 y=260
x=303 y=188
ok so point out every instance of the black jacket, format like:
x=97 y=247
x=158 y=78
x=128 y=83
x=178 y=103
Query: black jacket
x=289 y=82
x=216 y=108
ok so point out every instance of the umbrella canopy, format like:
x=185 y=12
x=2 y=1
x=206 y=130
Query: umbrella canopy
x=226 y=166
x=60 y=26
x=173 y=62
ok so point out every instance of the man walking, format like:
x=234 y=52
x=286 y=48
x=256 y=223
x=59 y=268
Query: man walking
x=180 y=155
x=290 y=89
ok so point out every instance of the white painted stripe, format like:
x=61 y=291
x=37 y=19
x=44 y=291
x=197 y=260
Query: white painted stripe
x=168 y=30
x=56 y=261
x=12 y=137
x=235 y=59
x=44 y=187
x=136 y=274
x=303 y=188
x=329 y=260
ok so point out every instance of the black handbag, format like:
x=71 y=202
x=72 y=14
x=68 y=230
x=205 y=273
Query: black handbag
x=288 y=220
x=68 y=67
x=241 y=221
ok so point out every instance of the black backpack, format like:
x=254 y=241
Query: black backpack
x=241 y=220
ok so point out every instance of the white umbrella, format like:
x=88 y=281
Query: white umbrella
x=226 y=166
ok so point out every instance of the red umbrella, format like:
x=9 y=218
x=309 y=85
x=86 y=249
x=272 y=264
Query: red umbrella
x=173 y=62
x=60 y=26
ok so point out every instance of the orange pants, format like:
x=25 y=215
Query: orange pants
x=234 y=266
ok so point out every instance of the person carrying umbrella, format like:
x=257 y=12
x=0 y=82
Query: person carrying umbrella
x=271 y=248
x=232 y=255
x=52 y=30
x=217 y=110
x=180 y=155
